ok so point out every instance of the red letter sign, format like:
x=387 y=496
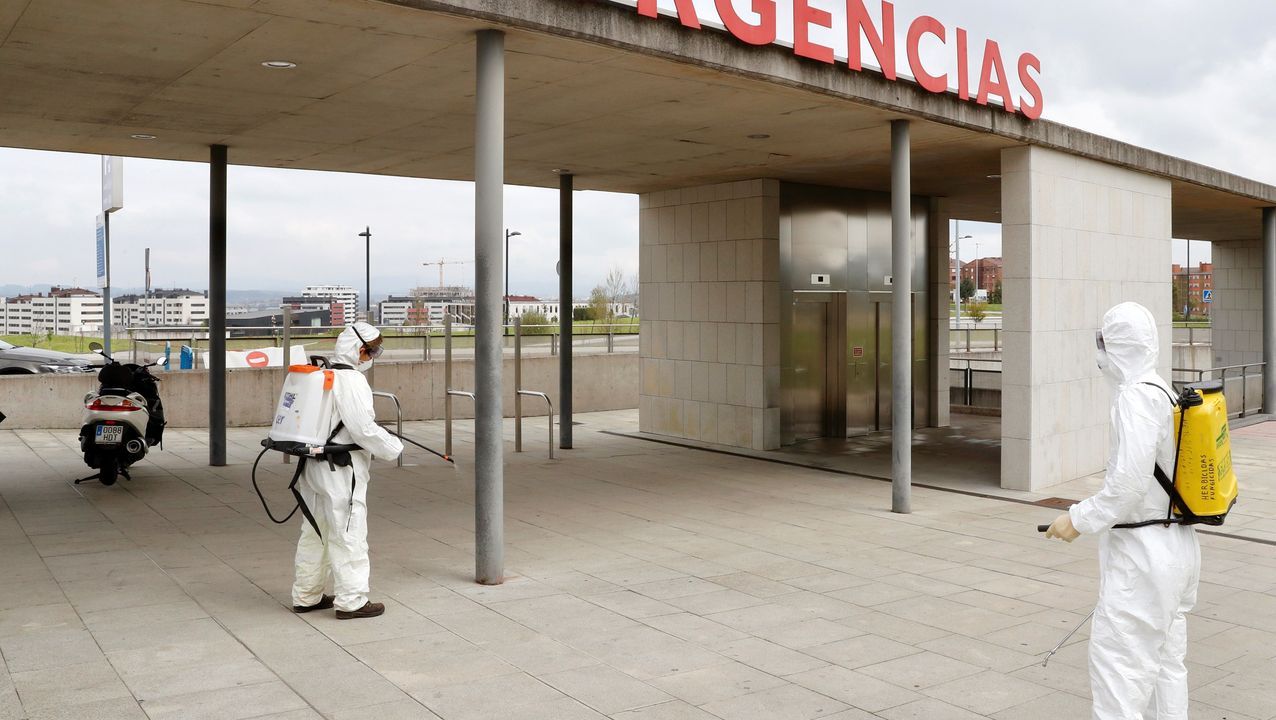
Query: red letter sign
x=1033 y=111
x=859 y=23
x=804 y=16
x=761 y=34
x=993 y=65
x=686 y=11
x=926 y=25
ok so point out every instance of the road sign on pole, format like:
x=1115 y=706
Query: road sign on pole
x=112 y=183
x=1207 y=296
x=101 y=250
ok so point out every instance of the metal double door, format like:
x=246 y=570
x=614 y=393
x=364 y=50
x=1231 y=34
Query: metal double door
x=869 y=363
x=841 y=354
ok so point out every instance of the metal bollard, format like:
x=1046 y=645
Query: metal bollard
x=447 y=384
x=518 y=384
x=609 y=340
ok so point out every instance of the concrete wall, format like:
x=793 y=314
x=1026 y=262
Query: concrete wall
x=1237 y=333
x=1078 y=237
x=710 y=345
x=602 y=382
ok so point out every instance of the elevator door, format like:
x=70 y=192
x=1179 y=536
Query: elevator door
x=882 y=352
x=810 y=370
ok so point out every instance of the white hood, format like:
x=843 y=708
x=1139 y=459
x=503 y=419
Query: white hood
x=349 y=344
x=1131 y=344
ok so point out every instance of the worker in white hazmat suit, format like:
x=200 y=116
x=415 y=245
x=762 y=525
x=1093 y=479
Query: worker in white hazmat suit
x=337 y=497
x=1147 y=576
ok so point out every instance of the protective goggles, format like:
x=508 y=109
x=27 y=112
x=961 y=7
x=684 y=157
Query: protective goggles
x=1098 y=341
x=373 y=352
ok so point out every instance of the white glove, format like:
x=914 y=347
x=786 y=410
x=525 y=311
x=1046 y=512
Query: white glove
x=1062 y=528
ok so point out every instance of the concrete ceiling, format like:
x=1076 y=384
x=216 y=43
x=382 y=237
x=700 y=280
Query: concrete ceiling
x=385 y=88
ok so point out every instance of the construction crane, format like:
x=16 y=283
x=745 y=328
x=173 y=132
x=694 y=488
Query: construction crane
x=441 y=262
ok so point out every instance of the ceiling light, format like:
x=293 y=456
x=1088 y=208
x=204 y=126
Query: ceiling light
x=994 y=177
x=279 y=64
x=142 y=136
x=759 y=136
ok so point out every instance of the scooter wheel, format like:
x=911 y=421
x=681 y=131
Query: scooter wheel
x=108 y=471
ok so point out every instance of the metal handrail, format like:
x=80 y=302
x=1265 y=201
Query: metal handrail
x=447 y=425
x=398 y=409
x=549 y=418
x=1222 y=377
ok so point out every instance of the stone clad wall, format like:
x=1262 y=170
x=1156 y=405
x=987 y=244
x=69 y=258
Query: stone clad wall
x=1078 y=237
x=1237 y=311
x=710 y=284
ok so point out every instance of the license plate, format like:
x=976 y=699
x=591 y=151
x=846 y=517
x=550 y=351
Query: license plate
x=110 y=434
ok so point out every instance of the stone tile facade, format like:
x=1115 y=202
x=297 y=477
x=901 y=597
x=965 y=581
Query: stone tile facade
x=1237 y=314
x=710 y=283
x=1078 y=237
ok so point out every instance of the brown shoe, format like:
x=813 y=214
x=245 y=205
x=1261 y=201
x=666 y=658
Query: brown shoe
x=324 y=603
x=369 y=610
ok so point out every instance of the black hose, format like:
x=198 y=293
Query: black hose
x=266 y=506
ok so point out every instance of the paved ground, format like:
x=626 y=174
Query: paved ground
x=650 y=582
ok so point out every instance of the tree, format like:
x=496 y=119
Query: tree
x=617 y=287
x=967 y=288
x=535 y=323
x=995 y=297
x=599 y=304
x=977 y=311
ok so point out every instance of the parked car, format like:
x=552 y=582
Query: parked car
x=19 y=360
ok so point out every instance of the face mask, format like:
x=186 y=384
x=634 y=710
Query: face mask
x=373 y=352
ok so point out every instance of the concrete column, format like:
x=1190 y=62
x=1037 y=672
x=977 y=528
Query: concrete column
x=901 y=318
x=565 y=310
x=1269 y=310
x=217 y=306
x=489 y=223
x=1078 y=237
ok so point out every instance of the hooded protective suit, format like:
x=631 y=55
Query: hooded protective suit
x=1147 y=576
x=338 y=498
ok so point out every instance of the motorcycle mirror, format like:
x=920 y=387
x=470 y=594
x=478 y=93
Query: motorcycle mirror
x=96 y=347
x=161 y=361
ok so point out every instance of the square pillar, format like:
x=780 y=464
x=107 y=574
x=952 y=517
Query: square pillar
x=1078 y=236
x=710 y=289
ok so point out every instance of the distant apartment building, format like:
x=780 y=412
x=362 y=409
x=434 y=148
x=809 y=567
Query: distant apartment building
x=521 y=304
x=1191 y=286
x=431 y=304
x=162 y=308
x=985 y=273
x=344 y=295
x=63 y=311
x=394 y=311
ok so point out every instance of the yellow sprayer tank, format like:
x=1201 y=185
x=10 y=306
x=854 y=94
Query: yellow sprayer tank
x=1205 y=478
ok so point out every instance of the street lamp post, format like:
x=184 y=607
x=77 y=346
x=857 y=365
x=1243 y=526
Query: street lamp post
x=367 y=266
x=508 y=235
x=978 y=279
x=960 y=237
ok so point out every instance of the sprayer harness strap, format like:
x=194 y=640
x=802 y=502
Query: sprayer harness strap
x=296 y=476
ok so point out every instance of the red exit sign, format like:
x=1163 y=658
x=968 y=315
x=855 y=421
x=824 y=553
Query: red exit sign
x=813 y=22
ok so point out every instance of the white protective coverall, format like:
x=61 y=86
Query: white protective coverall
x=342 y=515
x=1147 y=576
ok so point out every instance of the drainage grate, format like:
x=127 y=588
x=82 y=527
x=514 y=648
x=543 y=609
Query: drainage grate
x=1059 y=503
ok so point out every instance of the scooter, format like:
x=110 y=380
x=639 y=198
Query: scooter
x=123 y=418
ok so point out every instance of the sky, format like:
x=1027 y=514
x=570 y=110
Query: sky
x=1178 y=76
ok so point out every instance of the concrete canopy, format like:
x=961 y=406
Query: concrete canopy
x=626 y=103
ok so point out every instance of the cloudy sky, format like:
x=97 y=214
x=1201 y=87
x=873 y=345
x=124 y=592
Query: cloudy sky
x=1179 y=76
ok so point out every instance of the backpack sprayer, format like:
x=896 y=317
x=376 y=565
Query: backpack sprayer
x=1204 y=487
x=302 y=416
